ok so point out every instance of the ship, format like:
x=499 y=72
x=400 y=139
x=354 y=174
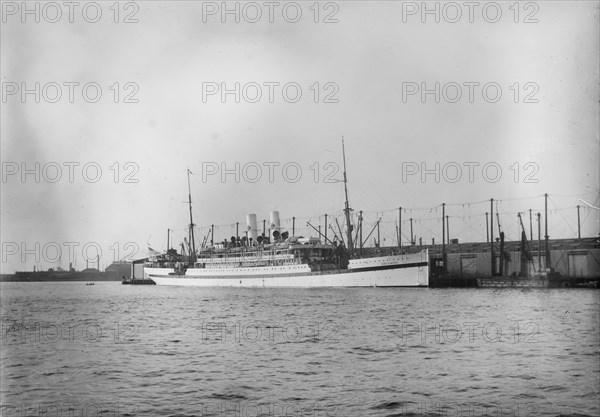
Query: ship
x=59 y=274
x=281 y=260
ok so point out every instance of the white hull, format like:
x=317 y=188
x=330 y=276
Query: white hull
x=397 y=271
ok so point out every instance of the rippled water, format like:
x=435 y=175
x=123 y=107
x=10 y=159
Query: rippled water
x=71 y=349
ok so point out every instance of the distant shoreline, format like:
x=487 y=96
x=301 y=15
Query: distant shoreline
x=78 y=277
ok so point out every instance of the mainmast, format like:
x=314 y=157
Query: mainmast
x=191 y=227
x=347 y=208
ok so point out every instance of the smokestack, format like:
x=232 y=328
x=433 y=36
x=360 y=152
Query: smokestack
x=252 y=227
x=275 y=225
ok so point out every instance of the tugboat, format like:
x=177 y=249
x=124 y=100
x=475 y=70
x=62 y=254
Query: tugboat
x=529 y=276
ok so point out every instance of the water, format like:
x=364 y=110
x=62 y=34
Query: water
x=70 y=349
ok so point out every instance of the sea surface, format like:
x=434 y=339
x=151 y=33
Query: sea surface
x=70 y=349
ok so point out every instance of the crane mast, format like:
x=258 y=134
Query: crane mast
x=192 y=244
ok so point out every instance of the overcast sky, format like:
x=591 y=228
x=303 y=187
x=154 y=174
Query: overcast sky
x=360 y=70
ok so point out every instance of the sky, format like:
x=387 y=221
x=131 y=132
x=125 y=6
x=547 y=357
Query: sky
x=105 y=106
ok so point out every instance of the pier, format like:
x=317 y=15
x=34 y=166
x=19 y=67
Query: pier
x=571 y=263
x=138 y=281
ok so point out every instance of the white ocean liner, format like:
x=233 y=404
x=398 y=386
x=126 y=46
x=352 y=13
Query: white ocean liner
x=281 y=261
x=269 y=270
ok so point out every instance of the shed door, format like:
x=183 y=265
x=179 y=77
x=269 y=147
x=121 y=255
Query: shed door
x=468 y=265
x=534 y=266
x=138 y=271
x=577 y=265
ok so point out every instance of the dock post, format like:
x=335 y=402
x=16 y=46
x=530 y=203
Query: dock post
x=539 y=248
x=578 y=225
x=548 y=263
x=530 y=227
x=443 y=227
x=492 y=236
x=400 y=228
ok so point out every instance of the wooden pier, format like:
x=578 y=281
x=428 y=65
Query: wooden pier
x=507 y=282
x=138 y=282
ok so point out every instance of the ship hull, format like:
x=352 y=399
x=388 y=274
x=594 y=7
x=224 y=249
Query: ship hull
x=411 y=274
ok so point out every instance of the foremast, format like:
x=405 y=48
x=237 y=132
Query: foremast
x=347 y=208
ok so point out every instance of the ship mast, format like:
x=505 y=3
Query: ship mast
x=347 y=206
x=191 y=231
